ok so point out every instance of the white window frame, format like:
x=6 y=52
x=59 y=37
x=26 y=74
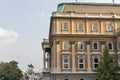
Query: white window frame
x=93 y=46
x=79 y=63
x=94 y=27
x=68 y=63
x=64 y=26
x=79 y=46
x=80 y=26
x=65 y=46
x=95 y=63
x=118 y=45
x=111 y=45
x=109 y=27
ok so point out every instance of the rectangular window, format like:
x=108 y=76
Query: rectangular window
x=64 y=26
x=94 y=27
x=109 y=27
x=80 y=46
x=79 y=27
x=118 y=45
x=118 y=60
x=65 y=46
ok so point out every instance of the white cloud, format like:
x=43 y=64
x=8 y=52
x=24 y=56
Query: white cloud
x=8 y=36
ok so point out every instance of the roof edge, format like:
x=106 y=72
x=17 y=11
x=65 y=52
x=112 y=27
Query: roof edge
x=89 y=3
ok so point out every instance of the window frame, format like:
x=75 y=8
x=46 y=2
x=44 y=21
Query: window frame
x=79 y=46
x=68 y=63
x=118 y=45
x=65 y=46
x=93 y=27
x=93 y=46
x=65 y=26
x=94 y=63
x=108 y=26
x=79 y=27
x=83 y=63
x=111 y=45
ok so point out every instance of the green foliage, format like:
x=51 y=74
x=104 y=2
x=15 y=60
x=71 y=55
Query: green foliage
x=10 y=71
x=107 y=69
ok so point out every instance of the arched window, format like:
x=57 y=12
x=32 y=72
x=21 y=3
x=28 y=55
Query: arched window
x=80 y=46
x=110 y=46
x=81 y=63
x=95 y=62
x=95 y=46
x=65 y=63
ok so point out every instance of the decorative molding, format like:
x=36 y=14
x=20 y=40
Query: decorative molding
x=88 y=42
x=103 y=42
x=72 y=42
x=57 y=42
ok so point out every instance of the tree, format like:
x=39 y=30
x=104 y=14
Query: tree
x=107 y=69
x=10 y=71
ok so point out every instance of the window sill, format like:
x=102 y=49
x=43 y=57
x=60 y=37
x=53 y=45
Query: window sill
x=81 y=69
x=95 y=50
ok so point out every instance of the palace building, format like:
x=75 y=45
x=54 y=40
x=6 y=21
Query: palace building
x=78 y=35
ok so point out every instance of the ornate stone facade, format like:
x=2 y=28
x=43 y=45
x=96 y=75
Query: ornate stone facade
x=79 y=32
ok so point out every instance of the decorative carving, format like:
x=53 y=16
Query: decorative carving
x=71 y=42
x=57 y=42
x=102 y=42
x=88 y=42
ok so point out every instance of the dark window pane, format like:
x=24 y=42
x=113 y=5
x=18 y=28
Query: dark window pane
x=95 y=60
x=95 y=46
x=81 y=66
x=80 y=60
x=109 y=46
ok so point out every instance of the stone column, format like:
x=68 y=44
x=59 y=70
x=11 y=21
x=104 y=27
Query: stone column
x=57 y=56
x=44 y=62
x=73 y=55
x=88 y=56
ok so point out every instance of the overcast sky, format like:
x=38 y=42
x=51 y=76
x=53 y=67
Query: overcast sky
x=23 y=25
